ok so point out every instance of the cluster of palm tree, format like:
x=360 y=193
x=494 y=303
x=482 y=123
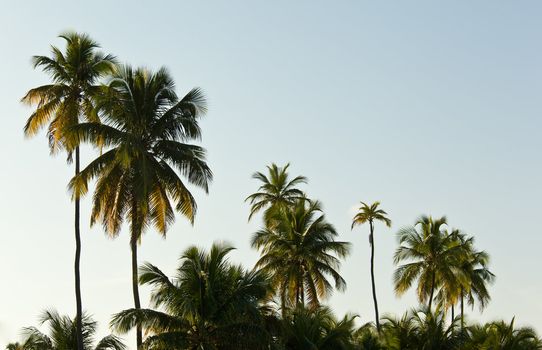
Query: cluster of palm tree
x=446 y=265
x=142 y=131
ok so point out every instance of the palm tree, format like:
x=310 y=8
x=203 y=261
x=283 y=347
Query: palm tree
x=431 y=256
x=145 y=127
x=501 y=335
x=276 y=192
x=317 y=329
x=475 y=266
x=370 y=214
x=300 y=253
x=63 y=104
x=470 y=278
x=421 y=329
x=399 y=333
x=63 y=335
x=209 y=304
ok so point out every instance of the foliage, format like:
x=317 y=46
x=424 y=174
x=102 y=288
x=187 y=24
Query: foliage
x=62 y=335
x=209 y=304
x=277 y=191
x=300 y=253
x=145 y=127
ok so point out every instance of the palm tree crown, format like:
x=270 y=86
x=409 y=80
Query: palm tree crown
x=277 y=190
x=299 y=253
x=209 y=304
x=61 y=104
x=145 y=126
x=370 y=214
x=63 y=335
x=431 y=256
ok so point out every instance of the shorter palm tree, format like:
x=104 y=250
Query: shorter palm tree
x=276 y=192
x=317 y=329
x=63 y=335
x=371 y=214
x=209 y=304
x=501 y=335
x=421 y=329
x=300 y=253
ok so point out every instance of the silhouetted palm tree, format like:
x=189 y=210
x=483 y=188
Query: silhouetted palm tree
x=276 y=192
x=146 y=128
x=316 y=329
x=300 y=253
x=371 y=214
x=63 y=335
x=431 y=256
x=63 y=104
x=501 y=335
x=421 y=329
x=209 y=304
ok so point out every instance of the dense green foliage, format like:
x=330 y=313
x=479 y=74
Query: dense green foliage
x=63 y=335
x=143 y=130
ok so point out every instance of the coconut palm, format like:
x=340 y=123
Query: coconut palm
x=475 y=266
x=300 y=253
x=146 y=127
x=63 y=335
x=63 y=103
x=276 y=192
x=430 y=255
x=503 y=336
x=371 y=214
x=399 y=333
x=209 y=304
x=421 y=329
x=470 y=280
x=317 y=329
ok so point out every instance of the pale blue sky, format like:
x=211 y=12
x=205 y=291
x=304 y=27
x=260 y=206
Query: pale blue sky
x=430 y=107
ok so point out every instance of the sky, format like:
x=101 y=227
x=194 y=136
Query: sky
x=428 y=107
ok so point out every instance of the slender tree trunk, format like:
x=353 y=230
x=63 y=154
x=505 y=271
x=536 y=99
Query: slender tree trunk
x=135 y=280
x=453 y=313
x=462 y=320
x=377 y=317
x=432 y=291
x=79 y=303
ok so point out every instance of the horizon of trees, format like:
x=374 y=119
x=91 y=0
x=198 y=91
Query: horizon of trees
x=143 y=130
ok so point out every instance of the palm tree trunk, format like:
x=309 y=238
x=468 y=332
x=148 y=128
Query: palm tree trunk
x=432 y=291
x=462 y=321
x=78 y=299
x=377 y=318
x=135 y=286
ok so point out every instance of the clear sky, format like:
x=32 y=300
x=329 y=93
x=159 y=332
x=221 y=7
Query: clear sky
x=430 y=107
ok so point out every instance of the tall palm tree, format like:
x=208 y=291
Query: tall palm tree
x=64 y=103
x=431 y=256
x=371 y=214
x=276 y=192
x=300 y=253
x=209 y=304
x=63 y=335
x=146 y=127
